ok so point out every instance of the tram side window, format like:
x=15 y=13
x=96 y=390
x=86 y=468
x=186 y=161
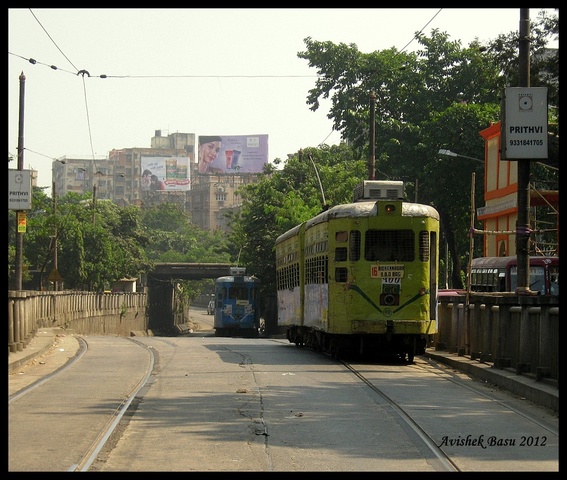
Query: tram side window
x=501 y=281
x=352 y=252
x=554 y=280
x=341 y=274
x=340 y=254
x=354 y=245
x=537 y=279
x=424 y=246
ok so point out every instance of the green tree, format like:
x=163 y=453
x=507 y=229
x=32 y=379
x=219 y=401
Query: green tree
x=418 y=97
x=96 y=246
x=38 y=240
x=172 y=238
x=100 y=246
x=284 y=198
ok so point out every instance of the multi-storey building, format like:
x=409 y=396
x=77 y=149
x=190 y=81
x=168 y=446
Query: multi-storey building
x=78 y=174
x=118 y=177
x=214 y=195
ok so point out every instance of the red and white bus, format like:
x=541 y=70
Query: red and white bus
x=500 y=274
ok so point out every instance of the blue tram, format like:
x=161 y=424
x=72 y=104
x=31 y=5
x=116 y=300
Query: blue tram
x=237 y=304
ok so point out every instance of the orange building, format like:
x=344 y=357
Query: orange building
x=500 y=213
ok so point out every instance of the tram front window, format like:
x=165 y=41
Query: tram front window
x=238 y=293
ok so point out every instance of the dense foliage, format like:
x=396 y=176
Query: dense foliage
x=101 y=245
x=439 y=97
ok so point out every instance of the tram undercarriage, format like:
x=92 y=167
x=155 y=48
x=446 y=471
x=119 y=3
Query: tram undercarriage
x=404 y=346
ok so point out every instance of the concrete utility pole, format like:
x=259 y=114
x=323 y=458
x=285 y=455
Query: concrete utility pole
x=372 y=160
x=522 y=222
x=20 y=236
x=56 y=233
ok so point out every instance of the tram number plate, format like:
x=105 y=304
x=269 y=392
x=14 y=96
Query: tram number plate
x=387 y=271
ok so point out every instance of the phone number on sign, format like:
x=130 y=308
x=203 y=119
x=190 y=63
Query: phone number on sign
x=519 y=143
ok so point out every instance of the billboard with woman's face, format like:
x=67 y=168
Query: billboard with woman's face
x=165 y=173
x=232 y=153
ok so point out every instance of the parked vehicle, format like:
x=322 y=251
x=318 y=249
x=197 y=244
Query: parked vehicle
x=500 y=274
x=211 y=307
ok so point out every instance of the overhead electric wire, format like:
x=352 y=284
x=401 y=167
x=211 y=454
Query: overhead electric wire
x=52 y=41
x=79 y=72
x=33 y=61
x=105 y=76
x=407 y=44
x=422 y=29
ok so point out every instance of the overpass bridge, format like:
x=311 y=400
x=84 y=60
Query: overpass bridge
x=164 y=314
x=188 y=271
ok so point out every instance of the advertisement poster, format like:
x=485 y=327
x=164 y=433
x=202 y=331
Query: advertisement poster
x=165 y=173
x=232 y=153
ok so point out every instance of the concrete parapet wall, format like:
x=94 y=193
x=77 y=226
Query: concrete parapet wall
x=81 y=312
x=517 y=332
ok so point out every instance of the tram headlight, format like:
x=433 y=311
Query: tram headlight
x=390 y=208
x=389 y=299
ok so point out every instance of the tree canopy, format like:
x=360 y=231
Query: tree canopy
x=439 y=97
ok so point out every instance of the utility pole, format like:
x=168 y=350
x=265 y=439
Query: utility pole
x=55 y=266
x=522 y=222
x=94 y=204
x=372 y=140
x=20 y=236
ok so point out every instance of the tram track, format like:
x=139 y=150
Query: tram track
x=424 y=408
x=104 y=430
x=83 y=347
x=90 y=456
x=443 y=461
x=439 y=457
x=445 y=372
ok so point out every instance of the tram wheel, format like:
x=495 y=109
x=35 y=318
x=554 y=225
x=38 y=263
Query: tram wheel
x=411 y=350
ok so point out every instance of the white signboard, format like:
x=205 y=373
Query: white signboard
x=524 y=123
x=19 y=189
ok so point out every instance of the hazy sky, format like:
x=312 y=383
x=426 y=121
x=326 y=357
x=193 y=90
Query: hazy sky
x=202 y=71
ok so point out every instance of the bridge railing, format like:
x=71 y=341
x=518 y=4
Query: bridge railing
x=82 y=312
x=506 y=331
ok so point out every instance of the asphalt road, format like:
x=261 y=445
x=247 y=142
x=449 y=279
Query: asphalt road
x=232 y=404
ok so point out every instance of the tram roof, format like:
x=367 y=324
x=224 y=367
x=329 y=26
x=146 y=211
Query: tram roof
x=238 y=279
x=370 y=209
x=358 y=210
x=503 y=262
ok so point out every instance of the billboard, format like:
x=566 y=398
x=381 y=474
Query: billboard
x=165 y=173
x=232 y=153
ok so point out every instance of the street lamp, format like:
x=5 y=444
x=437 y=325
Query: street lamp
x=448 y=153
